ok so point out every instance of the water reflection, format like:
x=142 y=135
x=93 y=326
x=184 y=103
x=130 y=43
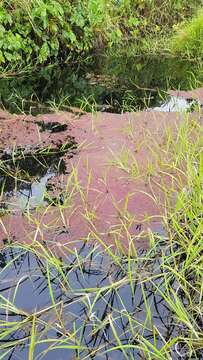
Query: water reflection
x=24 y=174
x=177 y=104
x=114 y=83
x=32 y=284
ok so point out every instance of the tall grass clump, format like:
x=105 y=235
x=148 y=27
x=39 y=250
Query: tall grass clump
x=186 y=238
x=188 y=41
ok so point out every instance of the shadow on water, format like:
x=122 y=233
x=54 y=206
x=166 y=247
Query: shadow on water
x=155 y=72
x=114 y=84
x=84 y=303
x=24 y=172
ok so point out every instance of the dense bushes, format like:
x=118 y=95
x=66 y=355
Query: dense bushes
x=43 y=31
x=40 y=30
x=151 y=17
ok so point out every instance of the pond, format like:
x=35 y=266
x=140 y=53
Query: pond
x=122 y=82
x=86 y=302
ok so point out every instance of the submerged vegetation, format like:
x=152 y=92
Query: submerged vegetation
x=92 y=300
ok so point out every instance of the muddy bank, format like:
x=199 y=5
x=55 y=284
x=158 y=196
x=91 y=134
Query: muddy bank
x=192 y=94
x=113 y=185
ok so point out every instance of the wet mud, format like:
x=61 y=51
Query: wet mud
x=97 y=190
x=52 y=127
x=196 y=94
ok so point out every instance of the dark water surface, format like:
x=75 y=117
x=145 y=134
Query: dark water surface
x=24 y=172
x=26 y=280
x=121 y=83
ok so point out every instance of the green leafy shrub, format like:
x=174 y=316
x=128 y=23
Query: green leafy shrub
x=38 y=31
x=45 y=31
